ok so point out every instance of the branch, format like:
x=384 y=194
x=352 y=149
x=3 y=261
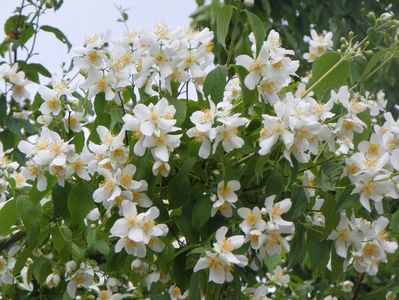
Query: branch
x=357 y=289
x=12 y=240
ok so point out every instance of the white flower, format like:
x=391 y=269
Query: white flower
x=96 y=82
x=224 y=246
x=155 y=116
x=227 y=134
x=125 y=177
x=203 y=120
x=162 y=144
x=342 y=236
x=205 y=138
x=275 y=210
x=318 y=45
x=72 y=121
x=278 y=277
x=108 y=189
x=347 y=286
x=252 y=219
x=175 y=293
x=219 y=268
x=82 y=278
x=52 y=103
x=161 y=167
x=255 y=66
x=53 y=280
x=379 y=227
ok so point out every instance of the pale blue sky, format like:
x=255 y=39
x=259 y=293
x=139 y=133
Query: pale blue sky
x=81 y=18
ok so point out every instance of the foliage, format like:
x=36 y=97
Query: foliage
x=143 y=171
x=294 y=20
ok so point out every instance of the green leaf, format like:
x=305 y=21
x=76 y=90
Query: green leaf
x=101 y=246
x=41 y=268
x=60 y=237
x=181 y=110
x=330 y=214
x=257 y=28
x=80 y=202
x=21 y=261
x=79 y=141
x=58 y=34
x=3 y=107
x=299 y=201
x=274 y=184
x=222 y=23
x=8 y=217
x=337 y=78
x=196 y=279
x=336 y=265
x=184 y=224
x=201 y=212
x=179 y=188
x=374 y=60
x=60 y=201
x=215 y=83
x=394 y=223
x=10 y=26
x=36 y=196
x=249 y=97
x=26 y=35
x=30 y=213
x=8 y=139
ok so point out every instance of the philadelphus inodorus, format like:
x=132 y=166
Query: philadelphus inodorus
x=221 y=186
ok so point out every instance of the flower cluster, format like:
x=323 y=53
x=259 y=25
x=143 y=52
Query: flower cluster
x=120 y=129
x=318 y=45
x=368 y=243
x=161 y=57
x=303 y=124
x=48 y=152
x=136 y=231
x=226 y=132
x=152 y=126
x=265 y=238
x=270 y=69
x=372 y=170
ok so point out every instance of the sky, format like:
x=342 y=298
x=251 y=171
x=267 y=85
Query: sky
x=79 y=19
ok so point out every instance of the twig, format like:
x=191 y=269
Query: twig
x=233 y=35
x=124 y=113
x=12 y=240
x=357 y=289
x=16 y=31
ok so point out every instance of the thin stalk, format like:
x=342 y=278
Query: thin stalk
x=233 y=35
x=336 y=65
x=358 y=285
x=124 y=113
x=393 y=54
x=16 y=31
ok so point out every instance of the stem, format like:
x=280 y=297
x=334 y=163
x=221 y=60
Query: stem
x=16 y=31
x=12 y=240
x=336 y=65
x=244 y=159
x=233 y=36
x=124 y=113
x=393 y=54
x=318 y=164
x=357 y=289
x=310 y=227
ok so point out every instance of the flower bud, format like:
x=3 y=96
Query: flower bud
x=53 y=280
x=386 y=16
x=371 y=16
x=249 y=2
